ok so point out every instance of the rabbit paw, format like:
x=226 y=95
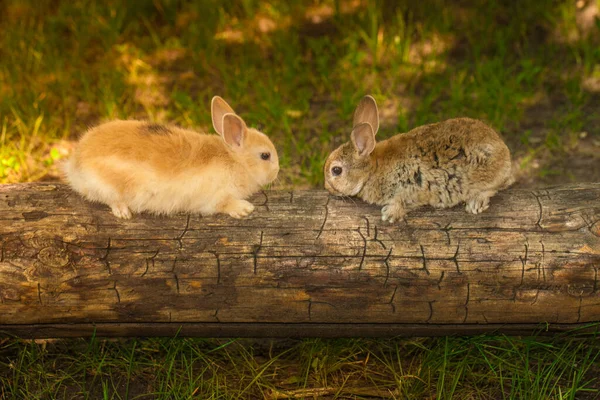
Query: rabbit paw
x=121 y=211
x=478 y=204
x=392 y=212
x=239 y=208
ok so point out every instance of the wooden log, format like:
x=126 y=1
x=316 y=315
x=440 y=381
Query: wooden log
x=303 y=264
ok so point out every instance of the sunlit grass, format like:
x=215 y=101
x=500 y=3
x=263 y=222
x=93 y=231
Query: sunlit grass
x=295 y=68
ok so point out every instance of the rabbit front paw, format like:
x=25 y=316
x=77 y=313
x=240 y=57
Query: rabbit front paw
x=239 y=208
x=392 y=212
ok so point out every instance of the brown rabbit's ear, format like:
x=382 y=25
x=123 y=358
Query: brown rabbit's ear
x=363 y=139
x=366 y=111
x=218 y=109
x=234 y=131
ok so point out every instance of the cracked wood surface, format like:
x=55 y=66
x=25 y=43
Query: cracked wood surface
x=303 y=263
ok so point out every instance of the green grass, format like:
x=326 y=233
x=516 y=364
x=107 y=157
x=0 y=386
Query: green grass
x=480 y=367
x=297 y=69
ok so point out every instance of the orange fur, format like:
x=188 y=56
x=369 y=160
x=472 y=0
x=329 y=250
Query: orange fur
x=138 y=166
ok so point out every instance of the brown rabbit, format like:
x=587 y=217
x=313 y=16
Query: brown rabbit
x=442 y=164
x=140 y=166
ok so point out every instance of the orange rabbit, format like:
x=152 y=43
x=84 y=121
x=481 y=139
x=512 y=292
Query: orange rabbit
x=140 y=166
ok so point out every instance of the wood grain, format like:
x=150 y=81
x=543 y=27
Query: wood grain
x=303 y=264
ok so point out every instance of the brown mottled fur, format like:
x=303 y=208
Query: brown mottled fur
x=139 y=166
x=442 y=165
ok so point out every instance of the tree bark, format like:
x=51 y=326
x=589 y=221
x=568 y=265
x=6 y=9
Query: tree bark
x=303 y=264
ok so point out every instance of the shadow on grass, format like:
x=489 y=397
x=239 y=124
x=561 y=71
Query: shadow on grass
x=298 y=68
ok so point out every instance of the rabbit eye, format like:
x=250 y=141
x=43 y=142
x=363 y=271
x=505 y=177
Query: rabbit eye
x=265 y=156
x=336 y=171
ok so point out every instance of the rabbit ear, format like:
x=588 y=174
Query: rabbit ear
x=366 y=111
x=218 y=109
x=234 y=131
x=363 y=139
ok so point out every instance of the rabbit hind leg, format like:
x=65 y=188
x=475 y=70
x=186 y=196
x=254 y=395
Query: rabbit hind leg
x=120 y=210
x=94 y=188
x=480 y=202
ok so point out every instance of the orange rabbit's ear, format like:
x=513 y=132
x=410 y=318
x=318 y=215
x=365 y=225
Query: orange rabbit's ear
x=218 y=109
x=363 y=139
x=366 y=111
x=234 y=131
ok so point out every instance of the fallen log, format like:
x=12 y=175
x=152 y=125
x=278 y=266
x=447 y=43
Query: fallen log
x=303 y=264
